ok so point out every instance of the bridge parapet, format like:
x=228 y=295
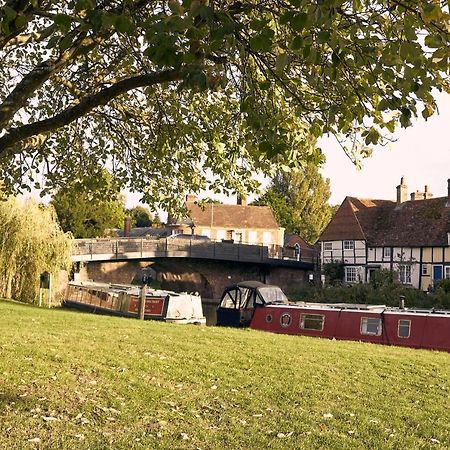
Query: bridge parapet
x=120 y=249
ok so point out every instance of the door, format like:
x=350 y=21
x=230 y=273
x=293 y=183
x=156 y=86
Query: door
x=437 y=274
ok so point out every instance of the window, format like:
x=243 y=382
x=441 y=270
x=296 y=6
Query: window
x=205 y=232
x=387 y=252
x=312 y=322
x=404 y=272
x=371 y=326
x=252 y=237
x=349 y=245
x=447 y=272
x=425 y=269
x=267 y=237
x=404 y=328
x=220 y=235
x=327 y=246
x=351 y=275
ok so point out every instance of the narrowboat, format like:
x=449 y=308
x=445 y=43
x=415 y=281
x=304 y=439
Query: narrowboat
x=124 y=300
x=264 y=307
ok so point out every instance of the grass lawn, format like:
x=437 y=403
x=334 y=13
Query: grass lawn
x=70 y=380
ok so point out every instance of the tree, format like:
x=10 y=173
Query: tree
x=141 y=216
x=156 y=90
x=299 y=201
x=31 y=242
x=86 y=216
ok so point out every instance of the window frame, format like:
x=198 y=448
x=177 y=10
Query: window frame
x=348 y=244
x=400 y=325
x=425 y=272
x=327 y=246
x=446 y=272
x=402 y=276
x=314 y=318
x=346 y=270
x=387 y=252
x=365 y=320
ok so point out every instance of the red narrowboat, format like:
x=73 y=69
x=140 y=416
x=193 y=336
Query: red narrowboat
x=264 y=307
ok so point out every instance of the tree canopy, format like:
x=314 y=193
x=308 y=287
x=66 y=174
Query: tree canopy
x=141 y=216
x=183 y=95
x=86 y=216
x=31 y=242
x=299 y=201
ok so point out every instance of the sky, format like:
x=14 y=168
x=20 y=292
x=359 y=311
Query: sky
x=421 y=154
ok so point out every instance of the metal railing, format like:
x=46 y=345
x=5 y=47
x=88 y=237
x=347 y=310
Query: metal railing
x=142 y=248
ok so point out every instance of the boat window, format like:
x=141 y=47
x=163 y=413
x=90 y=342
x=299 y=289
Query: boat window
x=229 y=299
x=245 y=296
x=404 y=328
x=371 y=326
x=272 y=294
x=312 y=322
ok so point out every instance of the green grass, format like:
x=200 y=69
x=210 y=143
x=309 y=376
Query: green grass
x=79 y=381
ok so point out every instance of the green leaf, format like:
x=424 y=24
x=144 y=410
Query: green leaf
x=63 y=21
x=323 y=36
x=21 y=21
x=282 y=61
x=65 y=42
x=297 y=43
x=433 y=41
x=10 y=13
x=299 y=21
x=123 y=24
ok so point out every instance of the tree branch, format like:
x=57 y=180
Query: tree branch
x=87 y=104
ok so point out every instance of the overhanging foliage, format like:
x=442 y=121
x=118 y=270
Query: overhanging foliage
x=164 y=93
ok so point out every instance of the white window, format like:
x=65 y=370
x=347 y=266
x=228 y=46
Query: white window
x=205 y=232
x=447 y=272
x=425 y=269
x=312 y=322
x=404 y=328
x=252 y=237
x=371 y=326
x=327 y=246
x=267 y=237
x=351 y=275
x=387 y=252
x=404 y=272
x=349 y=245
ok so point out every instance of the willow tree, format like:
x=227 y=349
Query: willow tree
x=185 y=94
x=31 y=242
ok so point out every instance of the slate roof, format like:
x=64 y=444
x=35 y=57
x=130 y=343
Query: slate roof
x=418 y=223
x=232 y=216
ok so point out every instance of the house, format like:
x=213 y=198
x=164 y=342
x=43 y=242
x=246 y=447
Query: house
x=295 y=247
x=408 y=236
x=240 y=223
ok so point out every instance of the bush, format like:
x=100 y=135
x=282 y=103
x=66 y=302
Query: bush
x=388 y=295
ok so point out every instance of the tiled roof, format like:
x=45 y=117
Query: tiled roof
x=387 y=223
x=232 y=216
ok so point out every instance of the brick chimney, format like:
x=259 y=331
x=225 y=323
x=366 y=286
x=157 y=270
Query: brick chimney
x=241 y=200
x=427 y=193
x=127 y=226
x=402 y=191
x=191 y=198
